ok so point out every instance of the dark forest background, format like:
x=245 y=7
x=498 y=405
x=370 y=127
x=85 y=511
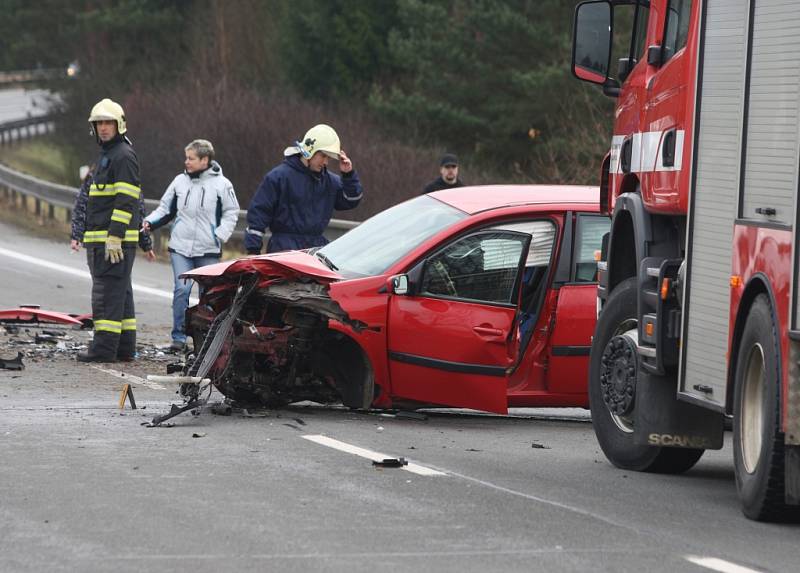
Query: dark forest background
x=402 y=81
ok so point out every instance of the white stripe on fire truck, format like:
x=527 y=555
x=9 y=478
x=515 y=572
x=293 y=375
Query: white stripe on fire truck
x=645 y=152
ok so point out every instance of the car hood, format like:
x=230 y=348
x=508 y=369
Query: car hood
x=288 y=264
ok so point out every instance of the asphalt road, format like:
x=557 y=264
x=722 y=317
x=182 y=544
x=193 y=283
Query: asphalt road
x=86 y=487
x=19 y=103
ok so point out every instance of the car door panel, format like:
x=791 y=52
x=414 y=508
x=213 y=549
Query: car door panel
x=449 y=351
x=571 y=339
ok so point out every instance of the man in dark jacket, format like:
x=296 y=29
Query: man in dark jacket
x=448 y=178
x=296 y=199
x=110 y=237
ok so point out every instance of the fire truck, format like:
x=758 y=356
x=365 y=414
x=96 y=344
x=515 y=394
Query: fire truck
x=698 y=297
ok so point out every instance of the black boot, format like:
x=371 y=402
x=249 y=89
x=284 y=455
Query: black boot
x=89 y=356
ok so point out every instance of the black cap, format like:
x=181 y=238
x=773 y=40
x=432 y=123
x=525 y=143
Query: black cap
x=449 y=159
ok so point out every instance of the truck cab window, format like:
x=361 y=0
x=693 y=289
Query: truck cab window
x=630 y=34
x=676 y=31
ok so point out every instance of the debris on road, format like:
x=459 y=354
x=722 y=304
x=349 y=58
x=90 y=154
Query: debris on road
x=221 y=409
x=12 y=363
x=411 y=416
x=199 y=435
x=390 y=463
x=539 y=446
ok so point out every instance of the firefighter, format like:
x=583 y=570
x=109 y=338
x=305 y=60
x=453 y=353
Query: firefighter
x=78 y=221
x=111 y=235
x=296 y=199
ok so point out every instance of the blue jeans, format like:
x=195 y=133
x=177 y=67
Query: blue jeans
x=183 y=287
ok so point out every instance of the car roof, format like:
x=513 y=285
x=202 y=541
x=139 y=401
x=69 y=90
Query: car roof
x=489 y=197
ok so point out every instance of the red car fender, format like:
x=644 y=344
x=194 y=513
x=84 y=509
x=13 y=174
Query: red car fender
x=366 y=300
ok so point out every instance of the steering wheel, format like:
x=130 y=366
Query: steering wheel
x=442 y=274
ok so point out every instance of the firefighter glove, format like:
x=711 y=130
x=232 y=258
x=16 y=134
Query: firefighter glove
x=114 y=249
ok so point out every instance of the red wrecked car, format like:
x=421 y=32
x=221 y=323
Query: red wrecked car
x=476 y=297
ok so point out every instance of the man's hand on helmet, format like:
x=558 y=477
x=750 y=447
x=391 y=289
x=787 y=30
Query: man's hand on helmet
x=345 y=165
x=114 y=252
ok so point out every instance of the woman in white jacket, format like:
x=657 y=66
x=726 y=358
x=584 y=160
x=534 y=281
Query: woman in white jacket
x=203 y=204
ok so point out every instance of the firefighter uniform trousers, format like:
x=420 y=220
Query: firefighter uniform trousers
x=112 y=303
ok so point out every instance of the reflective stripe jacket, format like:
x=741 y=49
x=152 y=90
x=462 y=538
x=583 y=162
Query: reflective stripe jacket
x=205 y=211
x=79 y=216
x=113 y=206
x=296 y=204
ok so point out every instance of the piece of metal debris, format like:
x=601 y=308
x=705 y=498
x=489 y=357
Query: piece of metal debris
x=539 y=446
x=390 y=463
x=221 y=409
x=411 y=415
x=12 y=363
x=199 y=435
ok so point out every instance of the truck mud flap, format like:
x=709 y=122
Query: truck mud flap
x=662 y=420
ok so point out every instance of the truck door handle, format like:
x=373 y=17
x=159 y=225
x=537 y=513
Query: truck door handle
x=668 y=148
x=487 y=331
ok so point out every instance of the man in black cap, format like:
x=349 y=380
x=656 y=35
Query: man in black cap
x=448 y=178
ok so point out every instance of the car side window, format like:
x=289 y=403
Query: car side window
x=588 y=240
x=676 y=31
x=481 y=267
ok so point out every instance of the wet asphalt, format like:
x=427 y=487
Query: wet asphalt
x=86 y=486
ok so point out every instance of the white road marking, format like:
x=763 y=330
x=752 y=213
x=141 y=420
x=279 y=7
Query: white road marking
x=369 y=454
x=130 y=378
x=719 y=565
x=549 y=502
x=85 y=274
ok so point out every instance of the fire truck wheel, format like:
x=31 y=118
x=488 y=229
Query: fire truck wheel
x=613 y=370
x=758 y=452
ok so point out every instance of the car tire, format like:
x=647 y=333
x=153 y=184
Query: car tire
x=615 y=432
x=758 y=450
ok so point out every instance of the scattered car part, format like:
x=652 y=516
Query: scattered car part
x=194 y=382
x=390 y=463
x=36 y=316
x=12 y=363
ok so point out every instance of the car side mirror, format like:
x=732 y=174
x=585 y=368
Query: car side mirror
x=398 y=284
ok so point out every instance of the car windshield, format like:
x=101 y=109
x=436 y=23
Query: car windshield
x=374 y=245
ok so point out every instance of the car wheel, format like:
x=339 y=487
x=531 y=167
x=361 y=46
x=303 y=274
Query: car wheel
x=758 y=451
x=613 y=372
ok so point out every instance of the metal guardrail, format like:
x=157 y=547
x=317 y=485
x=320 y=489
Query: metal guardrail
x=12 y=131
x=15 y=76
x=56 y=195
x=64 y=196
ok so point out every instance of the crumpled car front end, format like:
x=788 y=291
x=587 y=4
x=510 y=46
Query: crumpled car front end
x=262 y=329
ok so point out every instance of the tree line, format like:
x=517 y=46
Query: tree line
x=401 y=80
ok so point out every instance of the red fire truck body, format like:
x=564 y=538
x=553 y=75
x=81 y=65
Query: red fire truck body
x=698 y=288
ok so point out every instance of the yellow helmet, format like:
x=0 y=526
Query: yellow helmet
x=107 y=109
x=320 y=138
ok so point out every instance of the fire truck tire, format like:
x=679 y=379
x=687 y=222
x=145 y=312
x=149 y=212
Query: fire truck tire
x=615 y=432
x=758 y=451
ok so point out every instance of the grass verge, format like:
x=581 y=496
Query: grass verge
x=41 y=158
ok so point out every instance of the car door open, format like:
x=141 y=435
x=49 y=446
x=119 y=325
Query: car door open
x=451 y=336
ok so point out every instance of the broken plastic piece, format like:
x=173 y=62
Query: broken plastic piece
x=178 y=379
x=12 y=363
x=29 y=315
x=390 y=463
